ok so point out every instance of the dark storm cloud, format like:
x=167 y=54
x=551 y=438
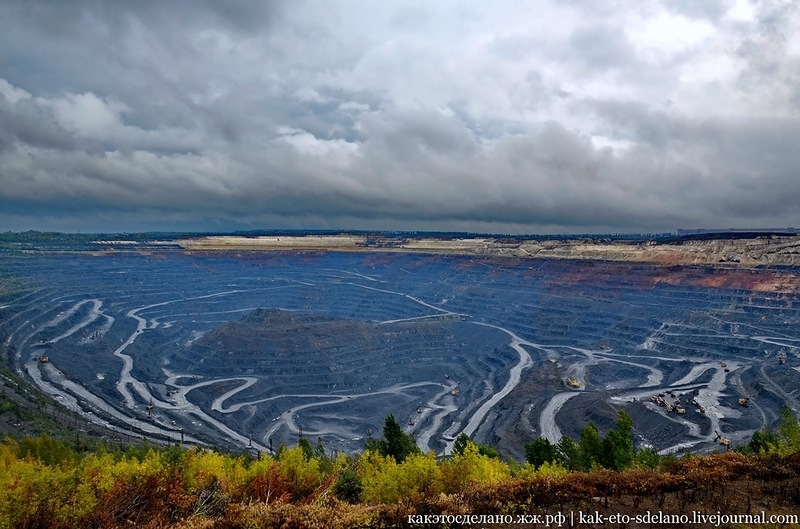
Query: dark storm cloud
x=165 y=59
x=741 y=167
x=563 y=116
x=25 y=123
x=408 y=133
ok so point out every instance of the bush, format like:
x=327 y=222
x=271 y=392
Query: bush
x=302 y=474
x=348 y=486
x=472 y=467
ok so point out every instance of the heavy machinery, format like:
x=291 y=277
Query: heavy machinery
x=573 y=383
x=724 y=441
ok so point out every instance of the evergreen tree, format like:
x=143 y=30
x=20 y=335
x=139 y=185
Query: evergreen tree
x=305 y=446
x=541 y=451
x=399 y=445
x=460 y=444
x=348 y=486
x=463 y=440
x=488 y=451
x=763 y=441
x=395 y=443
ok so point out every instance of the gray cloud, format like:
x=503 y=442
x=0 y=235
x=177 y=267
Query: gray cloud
x=216 y=115
x=772 y=61
x=712 y=10
x=602 y=47
x=25 y=123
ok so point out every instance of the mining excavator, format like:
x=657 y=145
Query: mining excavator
x=724 y=441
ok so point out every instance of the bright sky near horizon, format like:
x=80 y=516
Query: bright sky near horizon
x=541 y=116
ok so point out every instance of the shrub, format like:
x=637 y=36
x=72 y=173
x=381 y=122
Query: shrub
x=302 y=474
x=471 y=466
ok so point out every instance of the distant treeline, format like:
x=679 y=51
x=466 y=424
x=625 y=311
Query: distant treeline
x=729 y=234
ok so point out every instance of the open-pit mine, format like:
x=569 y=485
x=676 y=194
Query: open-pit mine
x=242 y=342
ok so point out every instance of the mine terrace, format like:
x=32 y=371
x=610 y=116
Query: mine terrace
x=248 y=341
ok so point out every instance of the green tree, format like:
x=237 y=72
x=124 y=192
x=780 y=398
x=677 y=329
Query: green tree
x=305 y=446
x=590 y=448
x=567 y=451
x=541 y=451
x=789 y=428
x=488 y=451
x=763 y=441
x=348 y=486
x=395 y=443
x=460 y=444
x=647 y=458
x=618 y=449
x=46 y=450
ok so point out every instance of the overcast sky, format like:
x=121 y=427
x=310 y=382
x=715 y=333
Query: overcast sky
x=540 y=116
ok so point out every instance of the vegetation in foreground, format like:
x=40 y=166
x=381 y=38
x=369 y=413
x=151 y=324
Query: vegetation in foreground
x=44 y=483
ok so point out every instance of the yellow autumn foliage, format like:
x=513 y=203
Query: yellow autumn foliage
x=548 y=469
x=204 y=469
x=303 y=474
x=472 y=467
x=386 y=481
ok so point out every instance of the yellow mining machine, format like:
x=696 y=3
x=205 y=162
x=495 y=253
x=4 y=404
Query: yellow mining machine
x=724 y=441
